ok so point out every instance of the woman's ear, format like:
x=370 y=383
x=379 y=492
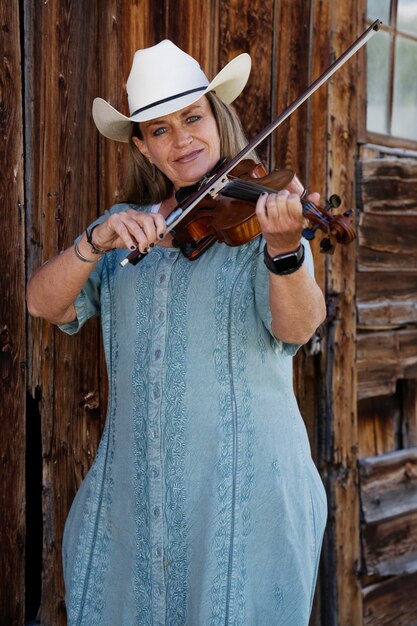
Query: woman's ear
x=141 y=146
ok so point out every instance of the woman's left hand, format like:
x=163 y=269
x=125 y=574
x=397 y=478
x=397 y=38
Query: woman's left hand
x=280 y=217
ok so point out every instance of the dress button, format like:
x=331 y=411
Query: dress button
x=162 y=278
x=159 y=590
x=160 y=315
x=159 y=551
x=155 y=434
x=156 y=393
x=157 y=511
x=157 y=354
x=155 y=472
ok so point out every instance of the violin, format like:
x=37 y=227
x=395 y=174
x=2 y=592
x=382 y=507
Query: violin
x=221 y=207
x=230 y=216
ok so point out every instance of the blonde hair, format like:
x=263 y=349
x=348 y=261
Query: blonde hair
x=145 y=184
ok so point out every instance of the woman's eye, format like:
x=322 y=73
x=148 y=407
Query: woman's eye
x=159 y=131
x=193 y=118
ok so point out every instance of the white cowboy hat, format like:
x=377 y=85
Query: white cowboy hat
x=164 y=79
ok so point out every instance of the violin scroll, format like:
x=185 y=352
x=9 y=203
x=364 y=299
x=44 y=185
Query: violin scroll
x=337 y=228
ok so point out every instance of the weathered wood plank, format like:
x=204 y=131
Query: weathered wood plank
x=183 y=19
x=388 y=485
x=312 y=367
x=379 y=419
x=393 y=601
x=248 y=27
x=390 y=546
x=388 y=244
x=340 y=363
x=62 y=147
x=409 y=392
x=388 y=185
x=385 y=300
x=389 y=513
x=292 y=66
x=383 y=358
x=12 y=323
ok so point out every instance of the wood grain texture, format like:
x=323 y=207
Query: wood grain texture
x=387 y=243
x=388 y=185
x=409 y=391
x=389 y=513
x=340 y=289
x=380 y=424
x=393 y=601
x=386 y=299
x=248 y=27
x=389 y=533
x=388 y=485
x=383 y=358
x=12 y=323
x=63 y=369
x=292 y=67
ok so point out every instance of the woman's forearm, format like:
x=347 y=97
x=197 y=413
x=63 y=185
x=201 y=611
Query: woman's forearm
x=53 y=288
x=297 y=306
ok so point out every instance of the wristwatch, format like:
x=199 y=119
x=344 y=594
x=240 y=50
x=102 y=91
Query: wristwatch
x=284 y=263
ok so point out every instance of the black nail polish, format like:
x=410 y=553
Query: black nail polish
x=161 y=236
x=151 y=245
x=133 y=247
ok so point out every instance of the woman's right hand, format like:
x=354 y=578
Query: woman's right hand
x=130 y=229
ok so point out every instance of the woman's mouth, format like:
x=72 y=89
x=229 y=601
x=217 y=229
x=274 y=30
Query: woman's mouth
x=190 y=156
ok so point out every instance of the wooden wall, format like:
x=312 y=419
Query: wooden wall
x=12 y=324
x=387 y=382
x=66 y=174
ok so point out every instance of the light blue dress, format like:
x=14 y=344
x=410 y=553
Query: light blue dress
x=203 y=506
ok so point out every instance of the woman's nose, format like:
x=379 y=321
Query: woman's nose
x=182 y=137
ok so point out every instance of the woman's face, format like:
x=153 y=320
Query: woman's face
x=184 y=145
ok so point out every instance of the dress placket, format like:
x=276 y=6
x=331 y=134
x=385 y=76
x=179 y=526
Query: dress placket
x=157 y=365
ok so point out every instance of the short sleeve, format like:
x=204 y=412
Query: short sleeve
x=87 y=303
x=262 y=296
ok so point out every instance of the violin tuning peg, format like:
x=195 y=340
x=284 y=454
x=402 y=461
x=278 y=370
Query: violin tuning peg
x=309 y=233
x=326 y=245
x=334 y=202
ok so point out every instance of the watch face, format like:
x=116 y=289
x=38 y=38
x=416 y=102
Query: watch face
x=288 y=262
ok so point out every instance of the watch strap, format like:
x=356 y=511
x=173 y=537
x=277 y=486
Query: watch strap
x=284 y=264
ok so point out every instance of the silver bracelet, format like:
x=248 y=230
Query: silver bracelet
x=83 y=258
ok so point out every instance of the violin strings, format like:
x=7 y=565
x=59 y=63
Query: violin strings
x=246 y=190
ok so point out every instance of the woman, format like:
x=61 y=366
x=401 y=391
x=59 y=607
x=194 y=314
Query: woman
x=203 y=506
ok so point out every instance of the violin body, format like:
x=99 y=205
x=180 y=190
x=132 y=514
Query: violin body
x=229 y=219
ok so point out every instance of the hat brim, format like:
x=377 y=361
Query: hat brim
x=227 y=85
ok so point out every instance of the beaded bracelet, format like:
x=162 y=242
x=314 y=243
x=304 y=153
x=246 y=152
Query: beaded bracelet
x=81 y=257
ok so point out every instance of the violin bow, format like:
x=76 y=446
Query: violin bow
x=213 y=184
